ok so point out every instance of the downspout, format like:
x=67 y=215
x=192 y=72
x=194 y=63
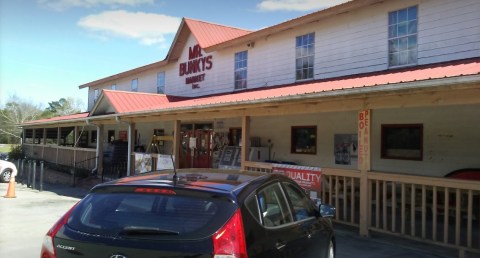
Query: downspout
x=98 y=145
x=130 y=141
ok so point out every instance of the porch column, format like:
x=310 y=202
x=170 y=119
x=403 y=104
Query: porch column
x=59 y=132
x=33 y=141
x=364 y=158
x=99 y=149
x=44 y=142
x=245 y=140
x=131 y=145
x=75 y=141
x=177 y=137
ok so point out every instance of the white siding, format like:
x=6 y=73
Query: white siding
x=346 y=44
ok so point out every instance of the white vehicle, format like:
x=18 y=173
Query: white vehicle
x=7 y=170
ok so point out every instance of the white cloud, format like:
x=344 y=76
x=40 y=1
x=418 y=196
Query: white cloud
x=296 y=5
x=148 y=28
x=61 y=5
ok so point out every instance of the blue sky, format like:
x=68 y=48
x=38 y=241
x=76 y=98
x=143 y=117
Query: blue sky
x=50 y=47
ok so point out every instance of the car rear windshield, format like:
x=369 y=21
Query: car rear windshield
x=143 y=215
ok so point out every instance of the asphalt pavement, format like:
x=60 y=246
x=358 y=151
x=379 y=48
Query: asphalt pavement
x=24 y=220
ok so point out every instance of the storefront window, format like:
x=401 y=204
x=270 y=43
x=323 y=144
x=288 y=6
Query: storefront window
x=304 y=139
x=402 y=141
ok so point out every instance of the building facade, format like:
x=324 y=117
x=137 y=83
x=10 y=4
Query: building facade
x=365 y=91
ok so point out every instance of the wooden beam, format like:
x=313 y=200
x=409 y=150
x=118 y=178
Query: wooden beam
x=176 y=143
x=245 y=140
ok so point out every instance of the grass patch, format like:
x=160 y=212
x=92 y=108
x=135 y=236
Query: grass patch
x=5 y=147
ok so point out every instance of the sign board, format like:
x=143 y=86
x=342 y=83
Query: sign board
x=164 y=162
x=364 y=140
x=192 y=143
x=309 y=178
x=230 y=158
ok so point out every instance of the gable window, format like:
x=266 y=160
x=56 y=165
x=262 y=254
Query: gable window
x=134 y=85
x=241 y=70
x=161 y=82
x=402 y=141
x=304 y=56
x=114 y=87
x=402 y=37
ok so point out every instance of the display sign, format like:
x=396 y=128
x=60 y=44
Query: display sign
x=364 y=140
x=230 y=158
x=309 y=178
x=164 y=162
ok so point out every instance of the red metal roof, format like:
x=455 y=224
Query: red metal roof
x=209 y=34
x=59 y=118
x=412 y=74
x=126 y=101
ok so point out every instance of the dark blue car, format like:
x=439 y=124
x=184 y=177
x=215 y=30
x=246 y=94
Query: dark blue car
x=194 y=213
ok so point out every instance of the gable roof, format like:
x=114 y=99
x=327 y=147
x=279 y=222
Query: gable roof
x=207 y=34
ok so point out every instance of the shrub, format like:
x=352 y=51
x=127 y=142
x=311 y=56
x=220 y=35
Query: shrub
x=16 y=152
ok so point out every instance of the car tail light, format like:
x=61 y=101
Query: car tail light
x=229 y=241
x=48 y=247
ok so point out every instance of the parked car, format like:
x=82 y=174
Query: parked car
x=6 y=170
x=466 y=174
x=195 y=213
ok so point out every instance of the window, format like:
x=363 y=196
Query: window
x=161 y=82
x=96 y=93
x=273 y=206
x=241 y=70
x=402 y=37
x=114 y=87
x=302 y=205
x=402 y=141
x=304 y=54
x=134 y=85
x=304 y=139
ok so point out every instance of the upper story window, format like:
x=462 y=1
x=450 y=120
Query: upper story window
x=114 y=87
x=161 y=82
x=134 y=85
x=96 y=93
x=241 y=59
x=304 y=56
x=402 y=37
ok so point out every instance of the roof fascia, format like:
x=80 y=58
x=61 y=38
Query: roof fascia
x=98 y=103
x=294 y=23
x=125 y=74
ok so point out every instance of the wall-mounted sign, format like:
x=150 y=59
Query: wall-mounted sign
x=195 y=67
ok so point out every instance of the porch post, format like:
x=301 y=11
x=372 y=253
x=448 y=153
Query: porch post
x=44 y=142
x=245 y=140
x=364 y=158
x=59 y=132
x=33 y=142
x=75 y=137
x=131 y=145
x=100 y=149
x=176 y=143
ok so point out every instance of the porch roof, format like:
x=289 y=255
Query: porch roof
x=285 y=92
x=124 y=103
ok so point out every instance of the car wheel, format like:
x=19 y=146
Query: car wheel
x=331 y=250
x=5 y=176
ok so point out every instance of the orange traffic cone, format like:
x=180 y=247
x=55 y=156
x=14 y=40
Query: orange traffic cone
x=11 y=188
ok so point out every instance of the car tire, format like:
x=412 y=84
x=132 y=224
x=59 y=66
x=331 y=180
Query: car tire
x=331 y=250
x=5 y=176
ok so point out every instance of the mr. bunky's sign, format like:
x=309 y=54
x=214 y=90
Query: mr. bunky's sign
x=195 y=67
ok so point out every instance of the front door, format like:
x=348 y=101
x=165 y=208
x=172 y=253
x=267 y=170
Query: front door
x=196 y=149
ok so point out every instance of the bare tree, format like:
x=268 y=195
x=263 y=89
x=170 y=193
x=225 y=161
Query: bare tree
x=17 y=111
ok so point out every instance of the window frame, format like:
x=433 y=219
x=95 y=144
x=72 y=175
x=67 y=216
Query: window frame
x=134 y=85
x=241 y=69
x=294 y=140
x=308 y=56
x=393 y=35
x=161 y=82
x=404 y=153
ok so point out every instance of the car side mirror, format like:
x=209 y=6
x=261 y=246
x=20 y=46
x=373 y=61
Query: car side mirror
x=327 y=211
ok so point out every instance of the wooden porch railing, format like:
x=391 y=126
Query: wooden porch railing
x=435 y=210
x=61 y=155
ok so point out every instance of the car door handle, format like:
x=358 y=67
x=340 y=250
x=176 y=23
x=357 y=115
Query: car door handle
x=279 y=245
